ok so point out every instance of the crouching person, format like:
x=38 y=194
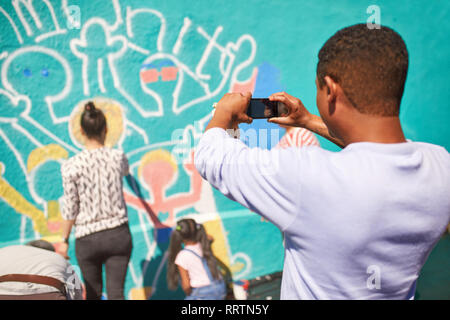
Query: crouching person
x=36 y=272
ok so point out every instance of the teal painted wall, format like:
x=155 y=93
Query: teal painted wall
x=156 y=67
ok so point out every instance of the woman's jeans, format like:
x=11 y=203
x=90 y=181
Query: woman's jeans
x=112 y=248
x=215 y=291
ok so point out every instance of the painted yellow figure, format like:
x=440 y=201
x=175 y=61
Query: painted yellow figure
x=48 y=222
x=21 y=205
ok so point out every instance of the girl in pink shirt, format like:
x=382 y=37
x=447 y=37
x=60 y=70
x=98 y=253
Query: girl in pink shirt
x=194 y=264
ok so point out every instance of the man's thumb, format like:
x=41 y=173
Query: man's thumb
x=279 y=120
x=245 y=118
x=247 y=95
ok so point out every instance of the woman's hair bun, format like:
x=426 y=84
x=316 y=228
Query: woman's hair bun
x=89 y=106
x=93 y=121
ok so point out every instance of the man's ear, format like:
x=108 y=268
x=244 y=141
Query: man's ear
x=332 y=88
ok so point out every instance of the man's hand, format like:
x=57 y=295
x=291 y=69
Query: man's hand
x=230 y=111
x=297 y=115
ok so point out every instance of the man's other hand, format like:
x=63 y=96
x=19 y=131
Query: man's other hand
x=231 y=110
x=297 y=115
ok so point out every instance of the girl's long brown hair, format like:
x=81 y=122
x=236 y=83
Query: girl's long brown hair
x=188 y=229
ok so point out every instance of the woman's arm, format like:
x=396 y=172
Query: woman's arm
x=185 y=281
x=70 y=207
x=66 y=228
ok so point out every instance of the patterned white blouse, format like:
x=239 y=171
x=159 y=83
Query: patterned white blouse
x=93 y=195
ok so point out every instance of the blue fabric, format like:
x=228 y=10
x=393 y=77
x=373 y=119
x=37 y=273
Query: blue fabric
x=215 y=291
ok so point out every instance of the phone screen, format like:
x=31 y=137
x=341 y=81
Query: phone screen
x=262 y=108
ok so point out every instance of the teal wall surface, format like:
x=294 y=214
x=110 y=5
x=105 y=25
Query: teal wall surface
x=155 y=68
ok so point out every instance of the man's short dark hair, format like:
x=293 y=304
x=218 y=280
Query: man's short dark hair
x=41 y=244
x=369 y=64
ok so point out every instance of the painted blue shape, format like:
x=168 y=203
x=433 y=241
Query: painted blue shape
x=163 y=235
x=267 y=82
x=27 y=72
x=157 y=65
x=44 y=73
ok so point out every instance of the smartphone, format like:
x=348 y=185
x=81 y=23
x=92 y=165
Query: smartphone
x=263 y=108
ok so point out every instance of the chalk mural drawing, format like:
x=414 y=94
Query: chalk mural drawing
x=155 y=77
x=42 y=163
x=17 y=78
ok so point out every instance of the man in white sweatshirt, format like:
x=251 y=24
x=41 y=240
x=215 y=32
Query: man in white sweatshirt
x=359 y=223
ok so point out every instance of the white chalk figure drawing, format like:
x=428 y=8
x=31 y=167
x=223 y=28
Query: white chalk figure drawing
x=142 y=74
